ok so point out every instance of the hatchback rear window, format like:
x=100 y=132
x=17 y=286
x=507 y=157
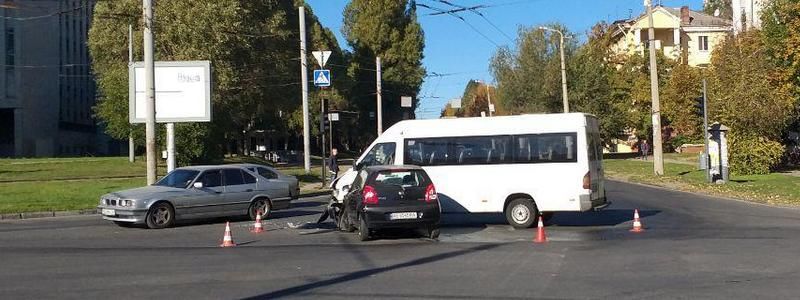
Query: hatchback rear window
x=405 y=178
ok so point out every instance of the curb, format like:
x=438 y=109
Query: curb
x=46 y=214
x=718 y=197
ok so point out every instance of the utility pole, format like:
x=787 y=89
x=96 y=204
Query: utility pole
x=705 y=132
x=150 y=92
x=564 y=76
x=489 y=99
x=304 y=81
x=379 y=112
x=564 y=95
x=658 y=162
x=131 y=146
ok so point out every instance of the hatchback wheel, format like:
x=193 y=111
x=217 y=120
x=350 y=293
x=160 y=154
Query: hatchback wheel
x=521 y=213
x=260 y=205
x=363 y=230
x=344 y=223
x=161 y=215
x=433 y=233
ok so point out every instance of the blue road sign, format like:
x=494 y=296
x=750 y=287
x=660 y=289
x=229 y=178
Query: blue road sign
x=322 y=78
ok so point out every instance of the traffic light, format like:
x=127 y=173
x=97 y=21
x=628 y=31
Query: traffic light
x=324 y=123
x=699 y=106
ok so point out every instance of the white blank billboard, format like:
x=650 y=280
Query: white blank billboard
x=183 y=92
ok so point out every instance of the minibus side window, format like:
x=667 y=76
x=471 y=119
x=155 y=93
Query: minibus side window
x=546 y=148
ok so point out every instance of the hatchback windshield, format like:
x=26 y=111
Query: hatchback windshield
x=409 y=178
x=178 y=179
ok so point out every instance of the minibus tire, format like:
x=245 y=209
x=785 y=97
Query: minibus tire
x=521 y=213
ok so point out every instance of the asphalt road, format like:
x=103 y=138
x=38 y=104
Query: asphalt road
x=693 y=247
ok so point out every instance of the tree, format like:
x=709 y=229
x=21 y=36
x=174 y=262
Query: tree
x=387 y=29
x=723 y=6
x=679 y=94
x=529 y=77
x=591 y=87
x=752 y=97
x=252 y=46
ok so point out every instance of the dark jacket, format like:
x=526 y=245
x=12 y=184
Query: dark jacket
x=333 y=165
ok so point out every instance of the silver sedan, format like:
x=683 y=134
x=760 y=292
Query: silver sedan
x=199 y=192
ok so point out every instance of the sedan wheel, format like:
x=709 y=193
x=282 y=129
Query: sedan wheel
x=260 y=205
x=160 y=216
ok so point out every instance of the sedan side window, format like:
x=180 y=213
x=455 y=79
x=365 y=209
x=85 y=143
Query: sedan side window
x=266 y=173
x=211 y=178
x=233 y=177
x=248 y=179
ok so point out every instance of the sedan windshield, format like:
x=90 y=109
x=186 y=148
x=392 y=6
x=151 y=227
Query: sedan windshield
x=178 y=179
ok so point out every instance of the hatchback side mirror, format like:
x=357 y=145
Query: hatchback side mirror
x=198 y=185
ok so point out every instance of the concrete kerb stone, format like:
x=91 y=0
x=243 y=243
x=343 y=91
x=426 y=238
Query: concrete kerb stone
x=33 y=215
x=10 y=216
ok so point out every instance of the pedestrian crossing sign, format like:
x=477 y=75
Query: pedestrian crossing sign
x=322 y=78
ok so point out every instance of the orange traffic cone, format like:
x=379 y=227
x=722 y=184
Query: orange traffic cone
x=637 y=224
x=227 y=241
x=257 y=227
x=541 y=237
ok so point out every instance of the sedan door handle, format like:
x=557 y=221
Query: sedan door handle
x=248 y=190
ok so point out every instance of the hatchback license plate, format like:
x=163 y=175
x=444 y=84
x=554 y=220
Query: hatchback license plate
x=108 y=212
x=403 y=216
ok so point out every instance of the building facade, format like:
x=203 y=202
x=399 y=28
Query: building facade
x=680 y=33
x=747 y=14
x=47 y=90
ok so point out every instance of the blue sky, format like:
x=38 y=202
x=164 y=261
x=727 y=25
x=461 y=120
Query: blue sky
x=452 y=47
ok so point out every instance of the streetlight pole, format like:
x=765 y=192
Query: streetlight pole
x=658 y=162
x=563 y=68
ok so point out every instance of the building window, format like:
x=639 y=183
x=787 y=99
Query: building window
x=702 y=43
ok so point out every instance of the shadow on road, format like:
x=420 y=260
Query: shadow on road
x=369 y=272
x=275 y=215
x=606 y=217
x=308 y=204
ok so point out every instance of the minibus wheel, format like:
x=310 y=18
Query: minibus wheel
x=521 y=213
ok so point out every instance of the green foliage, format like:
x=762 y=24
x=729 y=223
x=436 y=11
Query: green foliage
x=252 y=46
x=678 y=100
x=781 y=34
x=753 y=154
x=724 y=6
x=387 y=29
x=529 y=76
x=680 y=139
x=591 y=87
x=747 y=94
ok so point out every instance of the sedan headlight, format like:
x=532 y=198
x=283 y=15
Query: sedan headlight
x=127 y=203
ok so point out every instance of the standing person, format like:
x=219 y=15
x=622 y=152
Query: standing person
x=645 y=149
x=333 y=165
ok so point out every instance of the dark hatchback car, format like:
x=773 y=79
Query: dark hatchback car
x=383 y=197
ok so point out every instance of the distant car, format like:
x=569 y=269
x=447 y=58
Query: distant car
x=391 y=197
x=197 y=192
x=274 y=176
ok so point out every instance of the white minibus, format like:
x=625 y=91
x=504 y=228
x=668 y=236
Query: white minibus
x=523 y=166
